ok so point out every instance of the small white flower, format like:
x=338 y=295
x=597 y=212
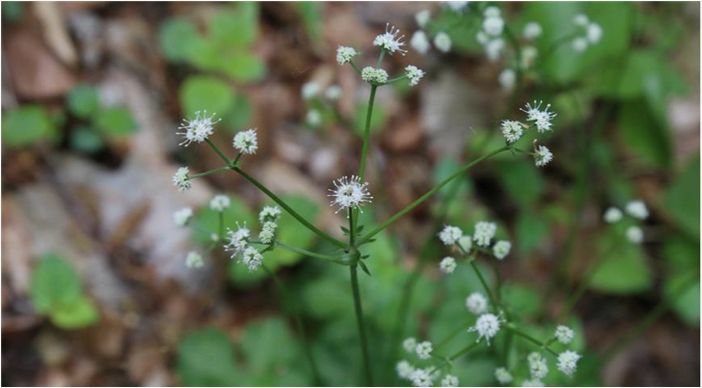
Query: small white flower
x=456 y=6
x=476 y=303
x=532 y=383
x=237 y=240
x=422 y=17
x=564 y=334
x=491 y=11
x=612 y=215
x=414 y=74
x=373 y=75
x=333 y=92
x=422 y=377
x=309 y=90
x=501 y=249
x=450 y=234
x=404 y=369
x=449 y=381
x=594 y=33
x=424 y=350
x=482 y=37
x=219 y=203
x=579 y=44
x=181 y=179
x=390 y=40
x=581 y=20
x=512 y=130
x=465 y=242
x=493 y=49
x=182 y=216
x=252 y=258
x=486 y=326
x=409 y=344
x=194 y=260
x=493 y=25
x=529 y=54
x=541 y=117
x=313 y=118
x=420 y=42
x=269 y=214
x=246 y=142
x=507 y=79
x=214 y=237
x=442 y=41
x=503 y=376
x=198 y=129
x=532 y=30
x=634 y=234
x=568 y=362
x=484 y=232
x=542 y=156
x=447 y=265
x=637 y=209
x=538 y=368
x=267 y=234
x=349 y=193
x=345 y=54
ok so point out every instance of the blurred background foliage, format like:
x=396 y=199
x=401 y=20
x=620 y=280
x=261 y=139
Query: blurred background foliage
x=99 y=140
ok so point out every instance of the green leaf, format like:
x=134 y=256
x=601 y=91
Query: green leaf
x=623 y=269
x=27 y=125
x=86 y=139
x=525 y=301
x=236 y=27
x=242 y=66
x=79 y=313
x=54 y=283
x=644 y=134
x=311 y=12
x=239 y=114
x=522 y=181
x=115 y=122
x=83 y=101
x=531 y=230
x=682 y=198
x=206 y=358
x=685 y=297
x=12 y=10
x=205 y=93
x=178 y=39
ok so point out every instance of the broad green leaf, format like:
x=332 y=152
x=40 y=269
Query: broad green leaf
x=239 y=114
x=644 y=134
x=115 y=122
x=623 y=269
x=83 y=101
x=206 y=358
x=532 y=229
x=86 y=139
x=522 y=182
x=54 y=283
x=685 y=296
x=79 y=313
x=523 y=300
x=236 y=27
x=242 y=66
x=27 y=125
x=682 y=198
x=311 y=13
x=208 y=93
x=178 y=38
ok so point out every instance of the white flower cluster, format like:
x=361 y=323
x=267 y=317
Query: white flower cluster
x=374 y=76
x=345 y=54
x=181 y=179
x=483 y=235
x=194 y=260
x=637 y=210
x=219 y=203
x=268 y=216
x=564 y=334
x=487 y=326
x=503 y=376
x=476 y=303
x=421 y=377
x=447 y=265
x=420 y=39
x=590 y=33
x=414 y=74
x=538 y=367
x=490 y=36
x=198 y=129
x=182 y=216
x=246 y=142
x=541 y=116
x=349 y=193
x=391 y=41
x=567 y=360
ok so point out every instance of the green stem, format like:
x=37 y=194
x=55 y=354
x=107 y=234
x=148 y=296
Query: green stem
x=454 y=333
x=219 y=152
x=487 y=289
x=464 y=351
x=359 y=321
x=220 y=226
x=428 y=194
x=366 y=133
x=287 y=208
x=210 y=172
x=306 y=346
x=315 y=255
x=522 y=334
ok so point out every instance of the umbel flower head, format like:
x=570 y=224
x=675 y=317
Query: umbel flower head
x=404 y=369
x=612 y=215
x=442 y=41
x=267 y=234
x=542 y=156
x=564 y=334
x=374 y=76
x=450 y=234
x=484 y=232
x=538 y=368
x=181 y=179
x=251 y=258
x=182 y=216
x=447 y=265
x=568 y=362
x=194 y=260
x=246 y=142
x=486 y=326
x=541 y=117
x=409 y=344
x=414 y=74
x=391 y=40
x=219 y=203
x=424 y=350
x=349 y=193
x=197 y=129
x=512 y=130
x=269 y=213
x=637 y=209
x=422 y=377
x=501 y=249
x=503 y=376
x=345 y=54
x=237 y=240
x=449 y=381
x=476 y=303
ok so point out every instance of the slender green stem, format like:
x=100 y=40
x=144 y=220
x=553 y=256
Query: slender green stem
x=220 y=225
x=209 y=172
x=428 y=194
x=219 y=152
x=380 y=58
x=511 y=327
x=366 y=133
x=464 y=351
x=355 y=67
x=306 y=346
x=487 y=289
x=359 y=321
x=352 y=228
x=333 y=259
x=287 y=208
x=454 y=333
x=398 y=78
